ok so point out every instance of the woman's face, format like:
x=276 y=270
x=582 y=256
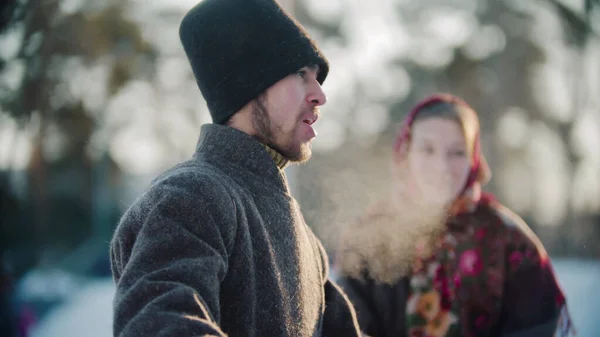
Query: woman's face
x=438 y=159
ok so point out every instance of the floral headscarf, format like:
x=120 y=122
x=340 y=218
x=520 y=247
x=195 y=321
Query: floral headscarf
x=457 y=286
x=480 y=172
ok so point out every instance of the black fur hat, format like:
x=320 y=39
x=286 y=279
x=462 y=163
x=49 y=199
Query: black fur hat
x=239 y=48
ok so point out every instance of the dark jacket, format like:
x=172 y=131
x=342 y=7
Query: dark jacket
x=528 y=305
x=381 y=307
x=217 y=246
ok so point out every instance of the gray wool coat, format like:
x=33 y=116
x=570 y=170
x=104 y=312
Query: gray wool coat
x=217 y=246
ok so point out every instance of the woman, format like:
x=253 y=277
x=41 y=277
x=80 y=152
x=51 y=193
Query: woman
x=440 y=257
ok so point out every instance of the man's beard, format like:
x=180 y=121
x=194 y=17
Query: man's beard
x=266 y=133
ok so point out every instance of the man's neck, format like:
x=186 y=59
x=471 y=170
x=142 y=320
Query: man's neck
x=279 y=159
x=237 y=123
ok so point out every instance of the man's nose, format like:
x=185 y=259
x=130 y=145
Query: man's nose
x=316 y=95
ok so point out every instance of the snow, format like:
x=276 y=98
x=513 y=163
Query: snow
x=87 y=313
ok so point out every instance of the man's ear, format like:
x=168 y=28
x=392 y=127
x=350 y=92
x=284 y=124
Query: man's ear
x=242 y=119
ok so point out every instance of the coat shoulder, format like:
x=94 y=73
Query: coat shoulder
x=189 y=193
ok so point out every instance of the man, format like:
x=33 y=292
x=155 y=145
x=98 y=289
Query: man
x=217 y=245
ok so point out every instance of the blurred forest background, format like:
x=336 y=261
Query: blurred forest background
x=96 y=98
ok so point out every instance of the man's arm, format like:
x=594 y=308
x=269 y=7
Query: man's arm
x=169 y=257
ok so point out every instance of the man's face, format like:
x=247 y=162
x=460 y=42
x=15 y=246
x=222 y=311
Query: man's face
x=282 y=117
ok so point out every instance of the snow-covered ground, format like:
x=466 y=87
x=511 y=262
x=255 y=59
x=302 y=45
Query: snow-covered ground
x=89 y=311
x=579 y=279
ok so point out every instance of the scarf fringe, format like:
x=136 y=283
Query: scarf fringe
x=564 y=327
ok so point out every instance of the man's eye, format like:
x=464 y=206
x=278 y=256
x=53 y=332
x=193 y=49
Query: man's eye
x=301 y=73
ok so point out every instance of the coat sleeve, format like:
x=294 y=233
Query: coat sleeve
x=380 y=307
x=169 y=256
x=533 y=302
x=339 y=318
x=359 y=294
